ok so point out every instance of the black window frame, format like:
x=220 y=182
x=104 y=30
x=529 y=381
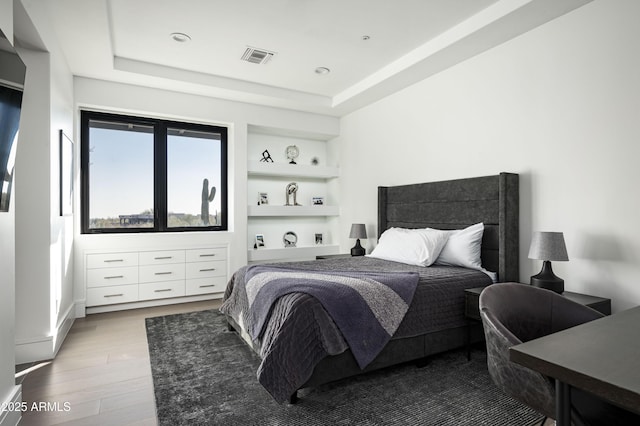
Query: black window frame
x=160 y=127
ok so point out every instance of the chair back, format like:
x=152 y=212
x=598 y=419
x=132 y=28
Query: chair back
x=513 y=313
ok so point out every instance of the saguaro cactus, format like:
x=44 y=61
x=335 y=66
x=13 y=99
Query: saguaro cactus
x=207 y=197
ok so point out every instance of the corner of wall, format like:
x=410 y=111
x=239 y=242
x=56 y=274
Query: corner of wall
x=42 y=348
x=63 y=327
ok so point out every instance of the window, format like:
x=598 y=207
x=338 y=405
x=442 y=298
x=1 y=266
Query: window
x=145 y=175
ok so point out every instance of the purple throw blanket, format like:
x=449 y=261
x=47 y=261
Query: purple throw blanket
x=367 y=307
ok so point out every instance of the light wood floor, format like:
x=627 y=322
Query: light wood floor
x=102 y=371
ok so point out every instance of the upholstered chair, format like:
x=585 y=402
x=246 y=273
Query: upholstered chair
x=514 y=313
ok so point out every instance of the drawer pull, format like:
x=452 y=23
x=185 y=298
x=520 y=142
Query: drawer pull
x=207 y=269
x=162 y=290
x=113 y=260
x=207 y=285
x=164 y=273
x=207 y=255
x=114 y=295
x=163 y=257
x=113 y=277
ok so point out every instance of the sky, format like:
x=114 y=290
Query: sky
x=121 y=172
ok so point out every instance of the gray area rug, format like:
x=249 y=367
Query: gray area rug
x=205 y=375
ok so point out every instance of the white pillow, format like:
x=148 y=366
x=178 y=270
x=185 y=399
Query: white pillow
x=463 y=248
x=419 y=247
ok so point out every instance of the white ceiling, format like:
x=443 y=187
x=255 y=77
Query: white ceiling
x=409 y=40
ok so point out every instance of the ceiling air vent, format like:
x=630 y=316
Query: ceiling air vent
x=257 y=56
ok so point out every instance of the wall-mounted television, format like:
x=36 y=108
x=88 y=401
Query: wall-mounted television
x=10 y=103
x=12 y=74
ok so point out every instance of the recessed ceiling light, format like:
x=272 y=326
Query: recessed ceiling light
x=180 y=37
x=322 y=70
x=365 y=37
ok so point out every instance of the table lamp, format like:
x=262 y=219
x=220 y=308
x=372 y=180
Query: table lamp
x=358 y=230
x=548 y=246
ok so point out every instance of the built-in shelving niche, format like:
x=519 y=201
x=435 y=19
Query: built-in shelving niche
x=274 y=219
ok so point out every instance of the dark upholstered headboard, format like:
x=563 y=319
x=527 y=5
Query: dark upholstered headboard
x=455 y=204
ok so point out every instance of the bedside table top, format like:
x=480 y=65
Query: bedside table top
x=601 y=304
x=475 y=290
x=584 y=299
x=332 y=256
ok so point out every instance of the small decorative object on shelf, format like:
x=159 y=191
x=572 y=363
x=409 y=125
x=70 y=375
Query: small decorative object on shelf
x=292 y=153
x=315 y=161
x=292 y=189
x=266 y=157
x=263 y=198
x=290 y=239
x=318 y=239
x=317 y=201
x=259 y=241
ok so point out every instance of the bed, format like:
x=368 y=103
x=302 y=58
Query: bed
x=302 y=347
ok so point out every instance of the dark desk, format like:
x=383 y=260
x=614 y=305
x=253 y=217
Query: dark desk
x=601 y=357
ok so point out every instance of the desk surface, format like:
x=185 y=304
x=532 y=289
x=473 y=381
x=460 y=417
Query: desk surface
x=601 y=357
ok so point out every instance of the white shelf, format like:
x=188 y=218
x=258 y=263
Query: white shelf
x=292 y=253
x=273 y=219
x=284 y=211
x=257 y=168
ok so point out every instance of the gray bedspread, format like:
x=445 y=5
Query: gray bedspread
x=300 y=333
x=367 y=307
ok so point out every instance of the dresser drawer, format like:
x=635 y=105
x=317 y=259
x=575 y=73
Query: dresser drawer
x=111 y=260
x=161 y=290
x=110 y=295
x=155 y=273
x=206 y=255
x=206 y=269
x=104 y=277
x=161 y=257
x=206 y=285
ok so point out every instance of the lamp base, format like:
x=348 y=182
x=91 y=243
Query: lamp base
x=547 y=279
x=357 y=250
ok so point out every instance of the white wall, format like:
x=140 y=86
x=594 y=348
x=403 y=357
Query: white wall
x=32 y=177
x=6 y=19
x=7 y=303
x=7 y=300
x=237 y=116
x=8 y=390
x=61 y=236
x=558 y=105
x=44 y=240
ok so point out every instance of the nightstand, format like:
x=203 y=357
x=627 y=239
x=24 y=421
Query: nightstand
x=472 y=303
x=332 y=256
x=472 y=307
x=600 y=304
x=471 y=313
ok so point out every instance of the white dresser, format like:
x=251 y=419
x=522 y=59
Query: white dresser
x=121 y=277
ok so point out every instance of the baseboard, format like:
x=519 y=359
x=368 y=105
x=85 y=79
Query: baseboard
x=34 y=349
x=41 y=348
x=151 y=303
x=12 y=417
x=81 y=306
x=63 y=327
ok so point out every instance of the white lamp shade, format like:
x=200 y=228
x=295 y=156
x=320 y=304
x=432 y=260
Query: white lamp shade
x=548 y=246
